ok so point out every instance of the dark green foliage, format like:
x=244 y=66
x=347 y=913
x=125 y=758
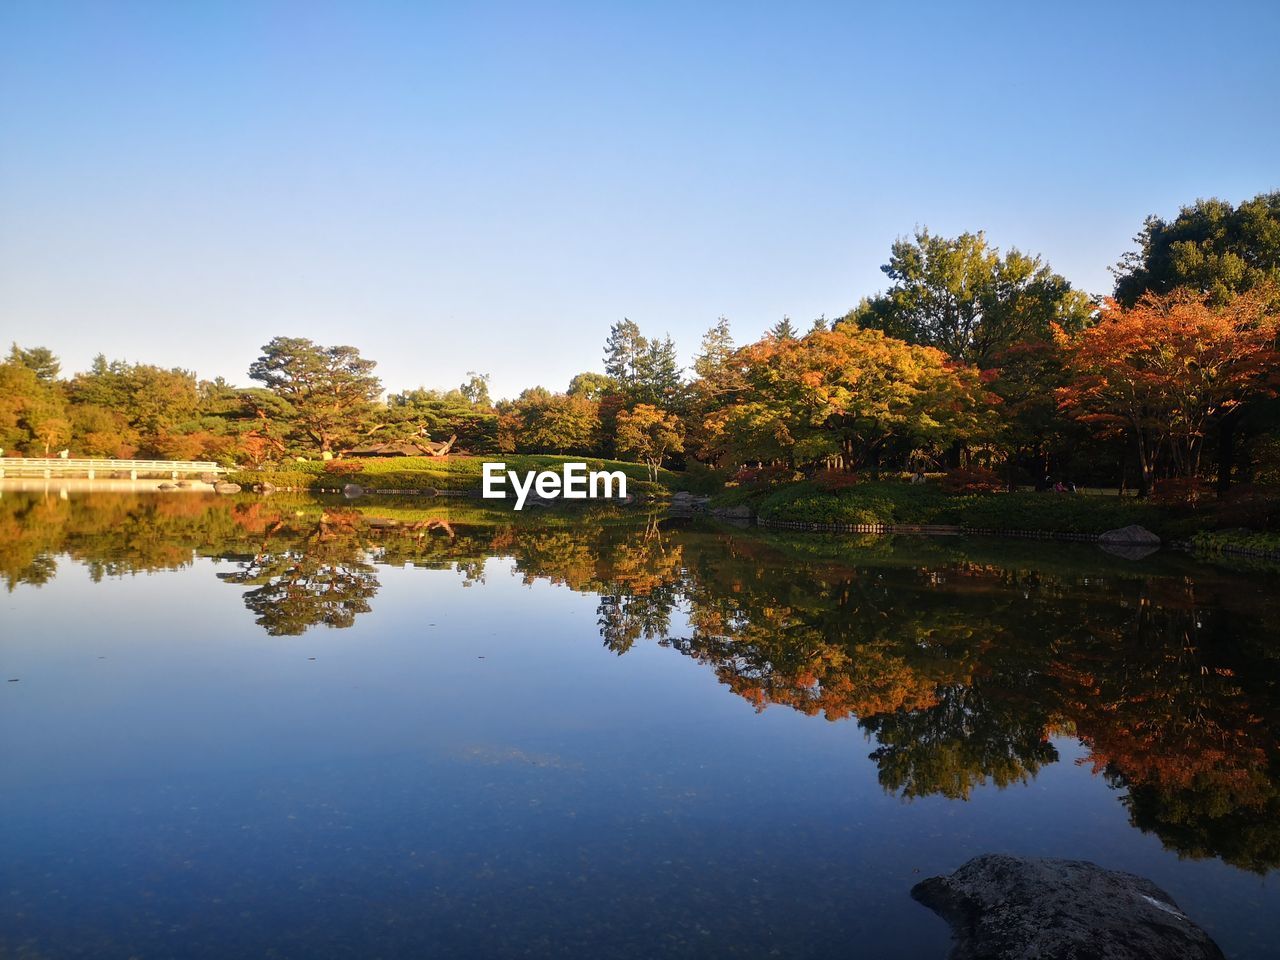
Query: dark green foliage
x=1210 y=246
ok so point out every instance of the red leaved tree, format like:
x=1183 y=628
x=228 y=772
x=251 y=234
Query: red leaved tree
x=1168 y=369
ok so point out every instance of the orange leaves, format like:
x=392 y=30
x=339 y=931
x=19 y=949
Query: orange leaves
x=1171 y=365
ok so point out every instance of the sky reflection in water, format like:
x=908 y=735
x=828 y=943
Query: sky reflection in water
x=585 y=737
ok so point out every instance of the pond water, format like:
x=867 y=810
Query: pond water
x=279 y=728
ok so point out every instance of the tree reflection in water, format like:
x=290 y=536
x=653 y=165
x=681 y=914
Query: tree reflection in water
x=310 y=574
x=961 y=660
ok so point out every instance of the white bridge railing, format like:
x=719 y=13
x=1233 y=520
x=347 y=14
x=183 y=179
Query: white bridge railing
x=92 y=468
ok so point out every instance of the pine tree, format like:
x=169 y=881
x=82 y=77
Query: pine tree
x=624 y=352
x=784 y=329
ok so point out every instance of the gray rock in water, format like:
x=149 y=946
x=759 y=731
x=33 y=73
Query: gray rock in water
x=352 y=490
x=1132 y=534
x=1129 y=551
x=742 y=512
x=1025 y=908
x=227 y=487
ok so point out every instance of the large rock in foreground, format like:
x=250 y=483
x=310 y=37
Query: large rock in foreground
x=1016 y=908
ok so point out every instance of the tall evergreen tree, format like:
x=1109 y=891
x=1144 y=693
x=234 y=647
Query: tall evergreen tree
x=783 y=330
x=624 y=353
x=39 y=360
x=659 y=380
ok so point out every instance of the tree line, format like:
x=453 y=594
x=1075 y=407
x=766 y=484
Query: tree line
x=971 y=359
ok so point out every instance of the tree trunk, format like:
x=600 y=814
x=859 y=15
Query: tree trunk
x=1145 y=467
x=1226 y=451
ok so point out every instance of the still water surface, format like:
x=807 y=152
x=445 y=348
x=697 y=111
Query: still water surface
x=284 y=729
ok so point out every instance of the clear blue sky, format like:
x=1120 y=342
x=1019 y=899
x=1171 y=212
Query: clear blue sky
x=482 y=186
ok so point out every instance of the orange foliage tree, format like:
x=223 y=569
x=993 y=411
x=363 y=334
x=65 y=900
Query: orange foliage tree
x=1168 y=369
x=845 y=395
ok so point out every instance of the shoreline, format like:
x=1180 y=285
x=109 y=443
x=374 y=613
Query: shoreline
x=109 y=485
x=957 y=530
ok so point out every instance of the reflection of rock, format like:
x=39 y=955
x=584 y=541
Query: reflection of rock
x=1129 y=551
x=1130 y=535
x=1132 y=542
x=683 y=502
x=1016 y=908
x=352 y=490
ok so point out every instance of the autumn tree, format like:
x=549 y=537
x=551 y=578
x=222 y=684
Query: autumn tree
x=1219 y=250
x=1169 y=368
x=121 y=408
x=848 y=394
x=540 y=421
x=649 y=434
x=33 y=411
x=330 y=389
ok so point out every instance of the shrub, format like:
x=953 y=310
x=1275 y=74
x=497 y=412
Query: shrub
x=343 y=468
x=1180 y=491
x=972 y=480
x=1256 y=506
x=763 y=476
x=833 y=481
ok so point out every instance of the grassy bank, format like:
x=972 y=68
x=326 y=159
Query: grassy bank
x=895 y=502
x=436 y=473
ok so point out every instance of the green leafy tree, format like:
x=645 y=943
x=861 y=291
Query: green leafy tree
x=422 y=413
x=593 y=386
x=476 y=389
x=961 y=296
x=1210 y=246
x=540 y=421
